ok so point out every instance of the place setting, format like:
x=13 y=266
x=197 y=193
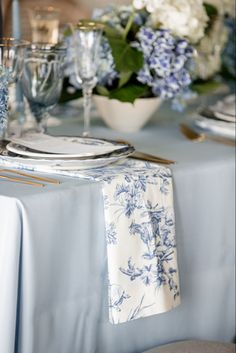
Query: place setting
x=41 y=69
x=216 y=122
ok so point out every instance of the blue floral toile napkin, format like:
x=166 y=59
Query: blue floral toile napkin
x=140 y=237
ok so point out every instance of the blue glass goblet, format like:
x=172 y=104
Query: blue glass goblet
x=42 y=78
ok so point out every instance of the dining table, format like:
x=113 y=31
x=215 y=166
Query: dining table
x=53 y=255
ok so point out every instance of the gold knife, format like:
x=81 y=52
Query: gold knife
x=151 y=158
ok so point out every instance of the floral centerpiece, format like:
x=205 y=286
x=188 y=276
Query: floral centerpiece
x=167 y=49
x=147 y=49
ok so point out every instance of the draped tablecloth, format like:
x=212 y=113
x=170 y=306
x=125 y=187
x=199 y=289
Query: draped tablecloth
x=53 y=262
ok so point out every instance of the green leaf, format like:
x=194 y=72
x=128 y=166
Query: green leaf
x=205 y=87
x=112 y=32
x=211 y=10
x=126 y=58
x=102 y=91
x=129 y=93
x=124 y=78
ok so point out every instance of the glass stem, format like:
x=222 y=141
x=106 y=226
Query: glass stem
x=87 y=97
x=42 y=124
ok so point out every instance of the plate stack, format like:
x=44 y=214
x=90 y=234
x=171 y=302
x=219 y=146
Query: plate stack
x=219 y=119
x=63 y=152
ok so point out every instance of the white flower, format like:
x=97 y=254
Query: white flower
x=150 y=5
x=184 y=18
x=210 y=49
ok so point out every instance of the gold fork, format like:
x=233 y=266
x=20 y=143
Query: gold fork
x=200 y=137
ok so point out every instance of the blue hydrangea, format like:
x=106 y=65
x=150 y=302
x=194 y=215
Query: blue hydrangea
x=229 y=53
x=166 y=62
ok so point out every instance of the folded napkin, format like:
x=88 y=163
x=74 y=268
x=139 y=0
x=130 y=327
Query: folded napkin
x=140 y=237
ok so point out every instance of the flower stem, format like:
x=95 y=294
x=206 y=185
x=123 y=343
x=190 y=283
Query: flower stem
x=128 y=25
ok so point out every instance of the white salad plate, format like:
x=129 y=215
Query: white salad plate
x=61 y=147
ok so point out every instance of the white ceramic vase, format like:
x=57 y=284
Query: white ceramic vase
x=126 y=117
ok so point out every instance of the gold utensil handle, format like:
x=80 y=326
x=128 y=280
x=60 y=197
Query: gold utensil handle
x=29 y=175
x=200 y=137
x=151 y=158
x=223 y=140
x=19 y=180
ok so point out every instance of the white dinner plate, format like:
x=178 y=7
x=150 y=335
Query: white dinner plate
x=63 y=164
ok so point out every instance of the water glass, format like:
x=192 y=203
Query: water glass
x=42 y=79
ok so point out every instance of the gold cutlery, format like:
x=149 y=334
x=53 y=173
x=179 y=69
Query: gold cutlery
x=31 y=176
x=20 y=180
x=151 y=158
x=200 y=136
x=146 y=156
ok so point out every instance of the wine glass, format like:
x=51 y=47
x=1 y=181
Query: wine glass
x=41 y=79
x=86 y=41
x=11 y=61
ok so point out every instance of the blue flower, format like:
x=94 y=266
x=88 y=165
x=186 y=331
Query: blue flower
x=166 y=62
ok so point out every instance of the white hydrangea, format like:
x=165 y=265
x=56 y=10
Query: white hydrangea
x=210 y=49
x=150 y=5
x=184 y=18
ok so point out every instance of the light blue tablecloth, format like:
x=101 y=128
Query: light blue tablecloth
x=53 y=268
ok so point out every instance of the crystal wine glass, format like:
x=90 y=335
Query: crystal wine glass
x=86 y=38
x=11 y=61
x=42 y=78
